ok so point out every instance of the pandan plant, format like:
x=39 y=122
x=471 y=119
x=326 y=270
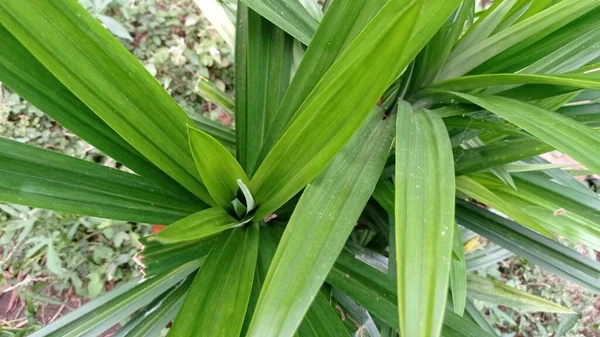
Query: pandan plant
x=373 y=138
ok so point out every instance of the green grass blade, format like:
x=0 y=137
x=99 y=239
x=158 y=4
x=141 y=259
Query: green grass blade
x=24 y=74
x=424 y=219
x=217 y=167
x=336 y=108
x=564 y=134
x=318 y=229
x=538 y=249
x=99 y=315
x=458 y=274
x=41 y=178
x=217 y=300
x=288 y=15
x=479 y=318
x=197 y=226
x=542 y=24
x=338 y=28
x=224 y=134
x=98 y=69
x=495 y=292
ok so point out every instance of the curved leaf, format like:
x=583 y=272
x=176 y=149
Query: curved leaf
x=197 y=226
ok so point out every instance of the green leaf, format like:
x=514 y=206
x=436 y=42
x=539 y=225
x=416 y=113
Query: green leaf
x=477 y=191
x=151 y=320
x=385 y=195
x=209 y=91
x=495 y=292
x=339 y=27
x=376 y=292
x=424 y=219
x=104 y=312
x=288 y=15
x=215 y=13
x=538 y=25
x=319 y=227
x=479 y=318
x=566 y=324
x=157 y=258
x=264 y=76
x=223 y=284
x=198 y=226
x=538 y=249
x=53 y=261
x=41 y=178
x=217 y=130
x=328 y=118
x=484 y=26
x=497 y=154
x=489 y=80
x=320 y=319
x=486 y=257
x=458 y=274
x=563 y=133
x=217 y=167
x=98 y=69
x=20 y=71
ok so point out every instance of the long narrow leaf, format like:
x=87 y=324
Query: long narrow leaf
x=198 y=226
x=41 y=178
x=424 y=219
x=318 y=229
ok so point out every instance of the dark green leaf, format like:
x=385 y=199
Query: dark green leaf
x=41 y=178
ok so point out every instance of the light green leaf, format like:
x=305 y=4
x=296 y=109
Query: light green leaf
x=151 y=320
x=538 y=25
x=318 y=229
x=484 y=26
x=288 y=15
x=424 y=219
x=53 y=261
x=338 y=28
x=498 y=293
x=489 y=80
x=224 y=134
x=102 y=313
x=215 y=13
x=23 y=73
x=524 y=167
x=46 y=179
x=458 y=274
x=198 y=226
x=573 y=138
x=98 y=69
x=209 y=91
x=477 y=191
x=217 y=300
x=217 y=167
x=333 y=112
